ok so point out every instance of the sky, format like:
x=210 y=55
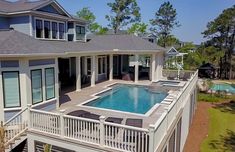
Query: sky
x=193 y=15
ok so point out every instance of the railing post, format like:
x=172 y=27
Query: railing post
x=29 y=115
x=62 y=123
x=151 y=138
x=102 y=131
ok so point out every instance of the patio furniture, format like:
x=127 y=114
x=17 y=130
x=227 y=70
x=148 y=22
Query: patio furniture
x=113 y=131
x=114 y=120
x=134 y=122
x=91 y=116
x=172 y=76
x=78 y=113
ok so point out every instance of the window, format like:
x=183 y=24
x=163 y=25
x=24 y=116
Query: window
x=88 y=66
x=54 y=30
x=61 y=30
x=47 y=29
x=171 y=147
x=39 y=29
x=36 y=80
x=11 y=89
x=101 y=65
x=80 y=32
x=50 y=83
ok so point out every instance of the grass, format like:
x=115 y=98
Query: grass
x=221 y=135
x=213 y=97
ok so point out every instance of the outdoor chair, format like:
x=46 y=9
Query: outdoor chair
x=113 y=131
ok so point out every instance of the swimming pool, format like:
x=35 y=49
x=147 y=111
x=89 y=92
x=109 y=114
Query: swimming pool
x=223 y=87
x=128 y=98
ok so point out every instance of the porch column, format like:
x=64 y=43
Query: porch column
x=136 y=68
x=153 y=67
x=110 y=67
x=159 y=66
x=93 y=70
x=78 y=73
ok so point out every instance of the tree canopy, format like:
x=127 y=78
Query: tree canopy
x=221 y=34
x=164 y=21
x=89 y=16
x=123 y=12
x=138 y=28
x=169 y=40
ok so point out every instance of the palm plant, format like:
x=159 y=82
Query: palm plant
x=2 y=137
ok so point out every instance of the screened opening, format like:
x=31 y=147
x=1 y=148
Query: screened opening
x=61 y=30
x=54 y=30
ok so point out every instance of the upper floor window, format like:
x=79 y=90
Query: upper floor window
x=80 y=32
x=39 y=29
x=61 y=30
x=49 y=29
x=54 y=30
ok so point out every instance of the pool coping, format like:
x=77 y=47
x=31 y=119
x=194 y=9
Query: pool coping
x=109 y=87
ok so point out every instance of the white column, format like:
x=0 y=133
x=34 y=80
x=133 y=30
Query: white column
x=159 y=66
x=93 y=70
x=136 y=68
x=31 y=144
x=153 y=67
x=78 y=73
x=57 y=83
x=110 y=67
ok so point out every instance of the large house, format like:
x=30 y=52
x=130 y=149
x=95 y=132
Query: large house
x=58 y=88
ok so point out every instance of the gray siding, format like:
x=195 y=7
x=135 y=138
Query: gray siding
x=20 y=23
x=4 y=23
x=9 y=114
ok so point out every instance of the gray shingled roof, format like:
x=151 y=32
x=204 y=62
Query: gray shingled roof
x=13 y=42
x=20 y=5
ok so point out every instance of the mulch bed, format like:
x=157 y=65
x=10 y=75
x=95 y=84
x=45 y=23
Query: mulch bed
x=199 y=128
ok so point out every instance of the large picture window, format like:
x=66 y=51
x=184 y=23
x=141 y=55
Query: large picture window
x=50 y=83
x=36 y=80
x=47 y=29
x=80 y=32
x=54 y=30
x=61 y=31
x=39 y=29
x=101 y=65
x=11 y=89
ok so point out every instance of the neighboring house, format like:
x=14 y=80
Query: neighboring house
x=46 y=60
x=149 y=37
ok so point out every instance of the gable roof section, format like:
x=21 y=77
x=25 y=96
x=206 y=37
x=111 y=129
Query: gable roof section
x=16 y=43
x=21 y=5
x=27 y=5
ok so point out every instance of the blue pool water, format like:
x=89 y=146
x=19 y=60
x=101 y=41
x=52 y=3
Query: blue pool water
x=128 y=98
x=224 y=87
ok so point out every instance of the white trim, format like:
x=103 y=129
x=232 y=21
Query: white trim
x=75 y=34
x=30 y=26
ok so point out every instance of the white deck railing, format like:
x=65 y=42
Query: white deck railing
x=160 y=128
x=110 y=135
x=15 y=126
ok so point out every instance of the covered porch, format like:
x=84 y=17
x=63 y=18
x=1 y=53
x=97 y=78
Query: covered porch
x=78 y=72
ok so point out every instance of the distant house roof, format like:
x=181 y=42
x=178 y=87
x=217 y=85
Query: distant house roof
x=16 y=43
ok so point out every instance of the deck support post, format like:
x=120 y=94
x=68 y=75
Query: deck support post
x=29 y=113
x=62 y=123
x=151 y=138
x=136 y=68
x=93 y=70
x=78 y=73
x=102 y=131
x=153 y=67
x=110 y=67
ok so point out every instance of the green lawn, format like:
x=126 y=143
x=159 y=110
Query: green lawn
x=221 y=137
x=213 y=97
